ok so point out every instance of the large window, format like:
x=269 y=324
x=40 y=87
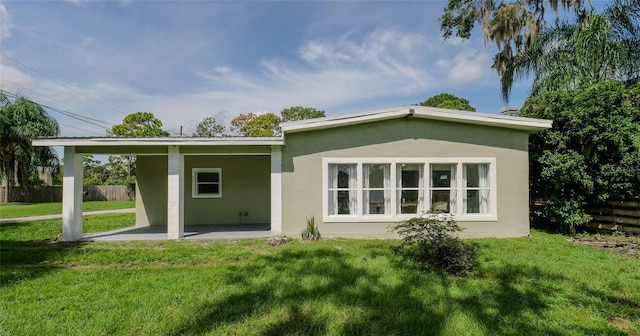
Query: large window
x=207 y=182
x=389 y=189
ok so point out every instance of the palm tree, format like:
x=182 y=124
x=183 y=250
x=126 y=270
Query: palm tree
x=597 y=47
x=20 y=122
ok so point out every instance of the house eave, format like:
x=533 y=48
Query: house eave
x=113 y=141
x=475 y=118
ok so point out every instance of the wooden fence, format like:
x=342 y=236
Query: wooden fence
x=616 y=216
x=43 y=194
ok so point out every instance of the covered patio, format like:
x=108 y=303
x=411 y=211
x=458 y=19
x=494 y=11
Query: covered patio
x=171 y=199
x=191 y=232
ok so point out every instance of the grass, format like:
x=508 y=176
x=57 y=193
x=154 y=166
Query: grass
x=38 y=209
x=544 y=285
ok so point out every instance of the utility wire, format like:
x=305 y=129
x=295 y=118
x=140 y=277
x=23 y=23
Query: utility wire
x=61 y=111
x=61 y=83
x=44 y=95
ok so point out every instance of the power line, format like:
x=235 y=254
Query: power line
x=80 y=129
x=61 y=111
x=62 y=83
x=44 y=95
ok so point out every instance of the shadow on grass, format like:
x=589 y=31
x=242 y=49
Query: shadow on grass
x=324 y=291
x=301 y=281
x=28 y=260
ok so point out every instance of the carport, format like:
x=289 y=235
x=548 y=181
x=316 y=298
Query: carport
x=166 y=190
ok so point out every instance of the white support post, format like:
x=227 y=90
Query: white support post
x=72 y=195
x=175 y=194
x=276 y=190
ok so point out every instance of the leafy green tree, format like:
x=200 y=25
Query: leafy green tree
x=238 y=124
x=135 y=125
x=591 y=153
x=597 y=47
x=209 y=128
x=252 y=125
x=94 y=173
x=21 y=121
x=512 y=25
x=448 y=101
x=139 y=125
x=300 y=113
x=264 y=125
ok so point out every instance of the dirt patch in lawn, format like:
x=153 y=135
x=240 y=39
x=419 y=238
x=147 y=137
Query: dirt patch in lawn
x=626 y=246
x=624 y=324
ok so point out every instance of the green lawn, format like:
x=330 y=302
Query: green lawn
x=544 y=285
x=37 y=209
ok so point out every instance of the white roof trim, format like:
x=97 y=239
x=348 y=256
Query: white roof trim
x=238 y=141
x=495 y=120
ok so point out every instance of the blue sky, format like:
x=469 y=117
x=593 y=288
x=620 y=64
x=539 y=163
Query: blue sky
x=184 y=61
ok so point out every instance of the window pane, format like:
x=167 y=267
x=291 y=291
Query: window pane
x=208 y=177
x=210 y=189
x=472 y=201
x=376 y=201
x=410 y=175
x=441 y=176
x=344 y=202
x=409 y=202
x=345 y=172
x=472 y=175
x=376 y=175
x=441 y=200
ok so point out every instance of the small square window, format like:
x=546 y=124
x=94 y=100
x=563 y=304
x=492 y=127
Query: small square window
x=207 y=183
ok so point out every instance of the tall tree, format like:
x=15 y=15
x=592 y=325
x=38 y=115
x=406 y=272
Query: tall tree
x=596 y=48
x=264 y=125
x=512 y=25
x=20 y=122
x=448 y=101
x=300 y=113
x=238 y=124
x=138 y=125
x=209 y=128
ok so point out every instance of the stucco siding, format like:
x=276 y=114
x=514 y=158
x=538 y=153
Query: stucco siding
x=409 y=137
x=151 y=190
x=245 y=189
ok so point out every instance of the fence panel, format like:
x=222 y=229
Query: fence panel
x=616 y=216
x=42 y=194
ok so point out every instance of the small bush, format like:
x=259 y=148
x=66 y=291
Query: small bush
x=430 y=240
x=311 y=232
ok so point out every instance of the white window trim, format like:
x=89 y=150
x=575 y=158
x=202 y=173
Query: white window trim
x=194 y=182
x=394 y=216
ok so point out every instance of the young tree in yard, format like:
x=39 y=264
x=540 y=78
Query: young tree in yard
x=138 y=125
x=448 y=101
x=209 y=128
x=300 y=113
x=592 y=152
x=20 y=122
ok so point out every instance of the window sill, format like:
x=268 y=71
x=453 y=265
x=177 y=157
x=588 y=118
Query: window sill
x=399 y=218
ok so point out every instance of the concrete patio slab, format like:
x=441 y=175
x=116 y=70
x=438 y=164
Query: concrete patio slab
x=191 y=232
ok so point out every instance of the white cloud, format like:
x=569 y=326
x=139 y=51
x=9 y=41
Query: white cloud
x=466 y=67
x=5 y=23
x=13 y=79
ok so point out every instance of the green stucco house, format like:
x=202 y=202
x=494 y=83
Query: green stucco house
x=355 y=174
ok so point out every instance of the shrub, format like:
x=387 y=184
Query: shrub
x=430 y=240
x=311 y=232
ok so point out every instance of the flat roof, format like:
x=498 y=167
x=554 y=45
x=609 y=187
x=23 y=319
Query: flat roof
x=165 y=141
